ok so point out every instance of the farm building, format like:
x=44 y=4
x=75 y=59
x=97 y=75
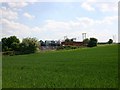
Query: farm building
x=49 y=45
x=71 y=43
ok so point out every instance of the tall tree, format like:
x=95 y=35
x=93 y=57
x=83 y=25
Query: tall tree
x=11 y=40
x=29 y=45
x=110 y=41
x=7 y=43
x=86 y=41
x=4 y=44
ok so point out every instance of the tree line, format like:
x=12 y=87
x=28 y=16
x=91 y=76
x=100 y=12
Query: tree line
x=13 y=45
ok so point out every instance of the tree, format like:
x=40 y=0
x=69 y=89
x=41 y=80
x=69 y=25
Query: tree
x=4 y=44
x=15 y=46
x=92 y=42
x=110 y=41
x=72 y=40
x=67 y=40
x=86 y=41
x=12 y=39
x=0 y=46
x=29 y=45
x=7 y=43
x=42 y=43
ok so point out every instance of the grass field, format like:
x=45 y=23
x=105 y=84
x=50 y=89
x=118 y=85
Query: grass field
x=82 y=68
x=0 y=70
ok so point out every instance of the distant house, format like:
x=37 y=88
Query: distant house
x=71 y=43
x=49 y=45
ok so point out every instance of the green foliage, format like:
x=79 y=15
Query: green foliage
x=4 y=44
x=92 y=42
x=82 y=68
x=9 y=53
x=86 y=41
x=66 y=47
x=15 y=46
x=110 y=41
x=11 y=40
x=69 y=40
x=8 y=44
x=0 y=46
x=29 y=45
x=12 y=43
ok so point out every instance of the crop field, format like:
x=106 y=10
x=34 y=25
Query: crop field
x=81 y=68
x=0 y=70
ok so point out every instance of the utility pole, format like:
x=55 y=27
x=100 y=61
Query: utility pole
x=83 y=36
x=114 y=38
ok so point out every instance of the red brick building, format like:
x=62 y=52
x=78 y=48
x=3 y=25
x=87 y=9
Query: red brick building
x=71 y=43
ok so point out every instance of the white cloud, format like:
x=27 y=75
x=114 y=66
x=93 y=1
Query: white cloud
x=108 y=7
x=88 y=5
x=110 y=20
x=85 y=21
x=52 y=24
x=28 y=15
x=101 y=28
x=93 y=5
x=56 y=0
x=20 y=1
x=14 y=28
x=17 y=4
x=8 y=13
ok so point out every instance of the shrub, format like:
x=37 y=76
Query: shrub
x=29 y=45
x=110 y=41
x=8 y=44
x=86 y=41
x=10 y=53
x=92 y=42
x=66 y=47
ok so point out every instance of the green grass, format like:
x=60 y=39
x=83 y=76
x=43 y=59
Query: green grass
x=82 y=68
x=0 y=70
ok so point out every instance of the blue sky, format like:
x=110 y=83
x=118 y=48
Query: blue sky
x=54 y=20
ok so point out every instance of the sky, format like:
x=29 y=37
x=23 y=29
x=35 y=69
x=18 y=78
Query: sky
x=54 y=19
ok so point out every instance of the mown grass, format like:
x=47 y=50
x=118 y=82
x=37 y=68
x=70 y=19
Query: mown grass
x=82 y=68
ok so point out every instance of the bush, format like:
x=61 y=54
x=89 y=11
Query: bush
x=66 y=47
x=29 y=45
x=10 y=43
x=60 y=47
x=110 y=41
x=86 y=41
x=92 y=42
x=10 y=53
